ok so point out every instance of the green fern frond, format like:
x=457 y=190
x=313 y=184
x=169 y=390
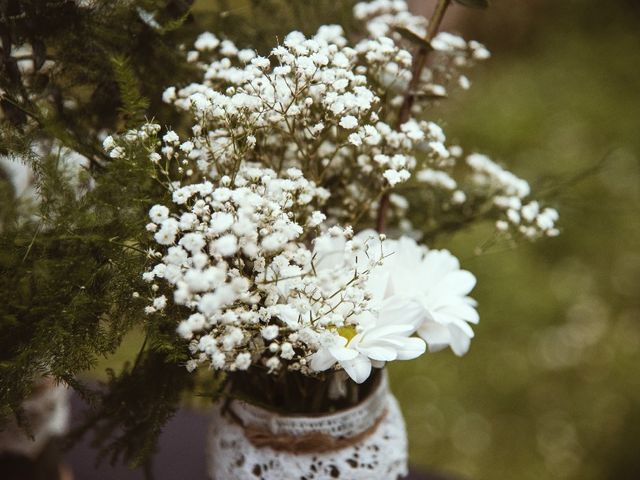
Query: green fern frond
x=133 y=105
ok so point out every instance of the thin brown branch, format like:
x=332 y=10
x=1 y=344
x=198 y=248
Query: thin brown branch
x=419 y=62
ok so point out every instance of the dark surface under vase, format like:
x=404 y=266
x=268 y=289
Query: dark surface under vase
x=181 y=455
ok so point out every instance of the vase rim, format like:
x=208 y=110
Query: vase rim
x=346 y=422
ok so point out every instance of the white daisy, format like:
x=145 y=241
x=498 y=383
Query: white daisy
x=383 y=338
x=433 y=278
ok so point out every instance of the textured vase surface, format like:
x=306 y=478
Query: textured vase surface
x=369 y=442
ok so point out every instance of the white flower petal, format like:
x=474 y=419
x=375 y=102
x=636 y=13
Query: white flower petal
x=436 y=335
x=449 y=320
x=358 y=369
x=379 y=352
x=379 y=285
x=380 y=331
x=398 y=309
x=322 y=360
x=463 y=311
x=341 y=354
x=377 y=364
x=411 y=348
x=459 y=340
x=460 y=283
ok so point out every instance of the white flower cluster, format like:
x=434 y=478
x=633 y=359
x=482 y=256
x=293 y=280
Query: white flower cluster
x=314 y=104
x=250 y=255
x=236 y=261
x=508 y=192
x=453 y=54
x=235 y=258
x=411 y=289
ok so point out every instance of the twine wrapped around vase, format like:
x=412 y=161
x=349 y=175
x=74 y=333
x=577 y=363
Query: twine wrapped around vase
x=311 y=434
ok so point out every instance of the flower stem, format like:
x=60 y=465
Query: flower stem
x=419 y=62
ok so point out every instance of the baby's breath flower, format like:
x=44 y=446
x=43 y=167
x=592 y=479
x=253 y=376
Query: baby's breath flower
x=158 y=213
x=171 y=137
x=289 y=148
x=349 y=122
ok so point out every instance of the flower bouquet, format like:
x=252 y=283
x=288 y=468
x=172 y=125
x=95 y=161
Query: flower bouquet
x=287 y=250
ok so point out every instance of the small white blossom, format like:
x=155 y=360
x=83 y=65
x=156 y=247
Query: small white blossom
x=270 y=332
x=459 y=197
x=226 y=245
x=355 y=139
x=286 y=351
x=206 y=41
x=160 y=302
x=171 y=137
x=169 y=95
x=273 y=364
x=243 y=361
x=186 y=146
x=349 y=122
x=158 y=213
x=261 y=62
x=394 y=177
x=108 y=143
x=117 y=152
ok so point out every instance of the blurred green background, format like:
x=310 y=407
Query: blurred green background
x=551 y=386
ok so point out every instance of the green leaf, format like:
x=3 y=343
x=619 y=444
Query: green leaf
x=174 y=24
x=134 y=105
x=413 y=37
x=473 y=3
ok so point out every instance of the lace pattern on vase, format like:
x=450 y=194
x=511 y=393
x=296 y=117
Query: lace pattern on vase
x=381 y=455
x=47 y=412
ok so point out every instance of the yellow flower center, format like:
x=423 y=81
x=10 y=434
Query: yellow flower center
x=347 y=332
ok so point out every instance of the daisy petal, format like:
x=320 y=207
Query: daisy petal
x=358 y=369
